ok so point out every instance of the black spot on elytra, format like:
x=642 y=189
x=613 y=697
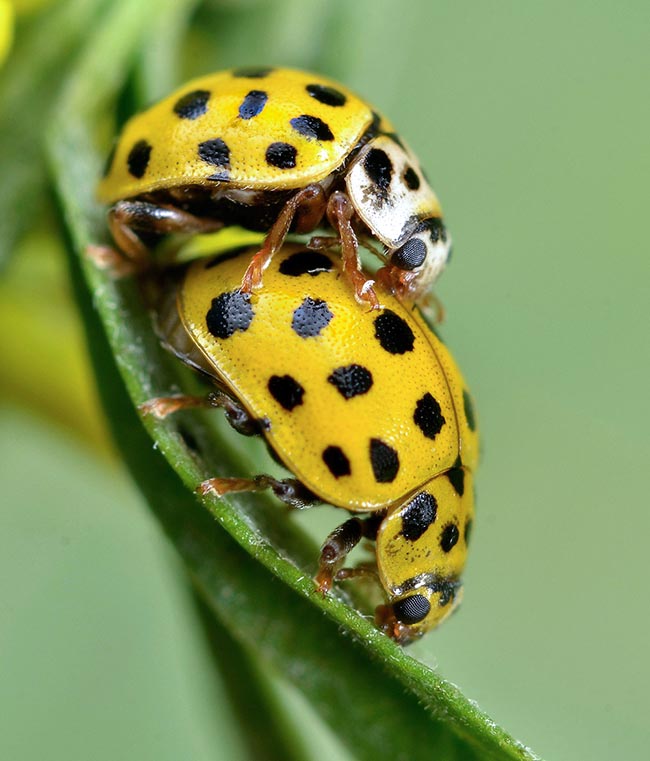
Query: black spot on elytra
x=449 y=537
x=384 y=461
x=229 y=312
x=393 y=333
x=379 y=168
x=305 y=263
x=252 y=72
x=286 y=391
x=351 y=380
x=192 y=104
x=428 y=416
x=327 y=95
x=281 y=155
x=138 y=158
x=337 y=462
x=412 y=610
x=419 y=514
x=411 y=255
x=411 y=178
x=311 y=317
x=456 y=478
x=253 y=104
x=215 y=152
x=469 y=411
x=312 y=127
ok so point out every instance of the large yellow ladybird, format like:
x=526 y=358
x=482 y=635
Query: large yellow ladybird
x=276 y=150
x=367 y=409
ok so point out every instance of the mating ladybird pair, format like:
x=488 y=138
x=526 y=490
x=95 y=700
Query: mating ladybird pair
x=365 y=408
x=276 y=150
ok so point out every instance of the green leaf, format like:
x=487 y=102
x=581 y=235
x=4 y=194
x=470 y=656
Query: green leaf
x=265 y=726
x=256 y=575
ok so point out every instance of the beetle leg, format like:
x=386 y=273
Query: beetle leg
x=337 y=547
x=236 y=415
x=109 y=258
x=340 y=212
x=306 y=208
x=352 y=573
x=400 y=283
x=162 y=406
x=431 y=305
x=288 y=490
x=128 y=218
x=324 y=242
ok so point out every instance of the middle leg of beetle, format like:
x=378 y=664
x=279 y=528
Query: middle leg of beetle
x=288 y=490
x=306 y=209
x=236 y=415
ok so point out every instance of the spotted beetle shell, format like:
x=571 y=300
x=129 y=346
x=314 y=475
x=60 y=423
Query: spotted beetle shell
x=267 y=129
x=364 y=407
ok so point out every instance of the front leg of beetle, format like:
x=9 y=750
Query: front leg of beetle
x=128 y=218
x=400 y=283
x=306 y=209
x=339 y=213
x=338 y=546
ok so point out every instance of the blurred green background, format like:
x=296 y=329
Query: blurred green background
x=532 y=123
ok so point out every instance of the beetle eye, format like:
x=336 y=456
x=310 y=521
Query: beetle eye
x=411 y=255
x=411 y=610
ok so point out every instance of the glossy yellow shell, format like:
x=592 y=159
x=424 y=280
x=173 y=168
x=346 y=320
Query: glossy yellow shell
x=364 y=407
x=268 y=129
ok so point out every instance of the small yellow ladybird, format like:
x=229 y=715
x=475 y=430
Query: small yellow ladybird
x=275 y=150
x=366 y=409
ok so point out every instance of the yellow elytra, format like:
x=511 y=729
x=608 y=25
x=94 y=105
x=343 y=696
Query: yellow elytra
x=276 y=149
x=367 y=409
x=210 y=109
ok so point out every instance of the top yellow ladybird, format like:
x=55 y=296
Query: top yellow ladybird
x=276 y=150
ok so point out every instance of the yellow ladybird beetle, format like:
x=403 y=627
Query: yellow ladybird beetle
x=275 y=150
x=366 y=409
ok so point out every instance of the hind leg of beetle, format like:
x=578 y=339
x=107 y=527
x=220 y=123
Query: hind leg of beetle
x=288 y=490
x=339 y=213
x=236 y=415
x=305 y=209
x=337 y=547
x=128 y=218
